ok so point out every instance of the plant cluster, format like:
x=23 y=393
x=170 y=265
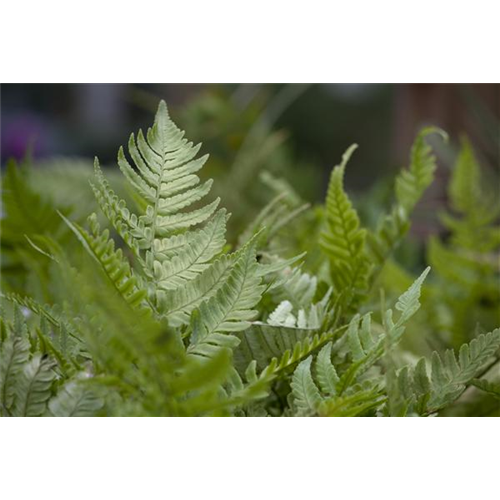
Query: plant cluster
x=146 y=309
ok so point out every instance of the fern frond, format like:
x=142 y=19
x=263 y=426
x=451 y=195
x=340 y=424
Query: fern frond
x=75 y=399
x=262 y=343
x=344 y=241
x=165 y=177
x=411 y=183
x=309 y=400
x=179 y=304
x=181 y=258
x=14 y=353
x=408 y=303
x=325 y=371
x=491 y=388
x=231 y=308
x=306 y=395
x=449 y=375
x=26 y=211
x=478 y=206
x=464 y=189
x=338 y=388
x=297 y=287
x=163 y=174
x=33 y=388
x=101 y=248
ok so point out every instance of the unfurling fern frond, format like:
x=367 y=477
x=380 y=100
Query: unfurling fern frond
x=343 y=241
x=449 y=375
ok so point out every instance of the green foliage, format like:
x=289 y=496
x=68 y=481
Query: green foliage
x=345 y=392
x=74 y=400
x=344 y=241
x=488 y=387
x=411 y=184
x=15 y=353
x=147 y=310
x=467 y=265
x=449 y=375
x=33 y=387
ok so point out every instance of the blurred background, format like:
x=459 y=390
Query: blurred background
x=296 y=132
x=320 y=121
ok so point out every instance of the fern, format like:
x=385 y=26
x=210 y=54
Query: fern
x=183 y=269
x=99 y=245
x=475 y=230
x=306 y=394
x=172 y=254
x=231 y=309
x=147 y=309
x=344 y=241
x=449 y=375
x=491 y=388
x=13 y=356
x=34 y=387
x=466 y=265
x=335 y=393
x=283 y=332
x=411 y=184
x=75 y=400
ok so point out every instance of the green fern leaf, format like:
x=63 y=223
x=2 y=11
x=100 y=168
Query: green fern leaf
x=33 y=388
x=411 y=183
x=74 y=399
x=181 y=258
x=305 y=392
x=344 y=241
x=102 y=249
x=14 y=353
x=478 y=206
x=325 y=371
x=491 y=388
x=26 y=211
x=449 y=375
x=465 y=186
x=231 y=308
x=172 y=254
x=408 y=304
x=179 y=304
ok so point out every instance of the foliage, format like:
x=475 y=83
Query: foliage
x=146 y=309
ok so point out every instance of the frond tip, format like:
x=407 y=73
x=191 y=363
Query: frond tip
x=343 y=240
